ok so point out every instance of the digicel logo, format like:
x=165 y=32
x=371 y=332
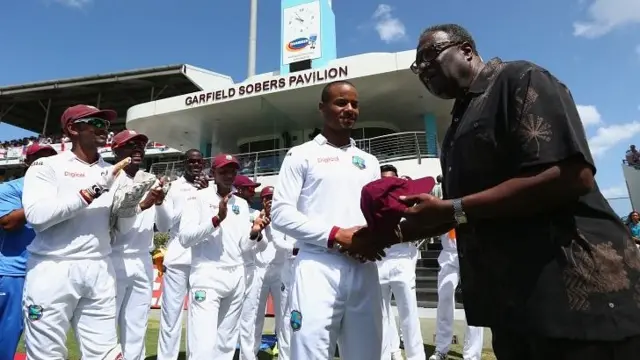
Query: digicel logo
x=73 y=174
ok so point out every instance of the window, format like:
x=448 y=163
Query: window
x=260 y=145
x=370 y=132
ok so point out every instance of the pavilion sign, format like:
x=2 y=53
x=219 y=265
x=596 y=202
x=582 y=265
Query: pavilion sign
x=280 y=83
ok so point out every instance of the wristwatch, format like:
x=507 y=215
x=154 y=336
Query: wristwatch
x=458 y=214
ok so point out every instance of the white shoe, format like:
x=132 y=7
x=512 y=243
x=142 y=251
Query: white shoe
x=438 y=356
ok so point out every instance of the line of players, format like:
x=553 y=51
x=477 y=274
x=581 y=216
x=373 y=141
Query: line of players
x=87 y=273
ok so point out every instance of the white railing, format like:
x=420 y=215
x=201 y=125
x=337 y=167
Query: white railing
x=387 y=148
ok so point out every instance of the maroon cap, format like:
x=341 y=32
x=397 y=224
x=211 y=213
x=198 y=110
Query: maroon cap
x=224 y=160
x=78 y=112
x=266 y=191
x=243 y=181
x=125 y=136
x=380 y=201
x=36 y=148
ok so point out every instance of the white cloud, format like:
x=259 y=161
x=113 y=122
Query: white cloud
x=589 y=115
x=604 y=16
x=389 y=28
x=78 y=4
x=607 y=137
x=615 y=192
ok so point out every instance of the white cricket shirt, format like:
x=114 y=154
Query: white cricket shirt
x=277 y=248
x=65 y=226
x=169 y=215
x=318 y=188
x=134 y=236
x=215 y=247
x=251 y=254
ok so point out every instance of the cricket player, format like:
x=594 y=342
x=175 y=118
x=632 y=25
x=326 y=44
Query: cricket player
x=249 y=345
x=214 y=223
x=131 y=246
x=448 y=278
x=334 y=297
x=397 y=272
x=270 y=262
x=285 y=249
x=70 y=280
x=15 y=236
x=177 y=259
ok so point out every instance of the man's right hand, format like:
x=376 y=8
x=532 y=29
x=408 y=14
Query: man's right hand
x=222 y=208
x=201 y=182
x=110 y=174
x=359 y=243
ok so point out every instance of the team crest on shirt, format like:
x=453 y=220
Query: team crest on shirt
x=235 y=209
x=296 y=320
x=34 y=312
x=358 y=162
x=200 y=295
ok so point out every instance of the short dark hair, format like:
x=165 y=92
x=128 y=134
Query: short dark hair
x=388 y=168
x=456 y=33
x=324 y=96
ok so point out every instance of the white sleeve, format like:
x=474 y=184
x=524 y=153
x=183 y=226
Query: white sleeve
x=246 y=244
x=279 y=240
x=195 y=225
x=46 y=205
x=164 y=213
x=285 y=216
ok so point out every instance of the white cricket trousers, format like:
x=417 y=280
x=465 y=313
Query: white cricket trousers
x=214 y=311
x=335 y=300
x=284 y=329
x=398 y=277
x=271 y=284
x=59 y=294
x=249 y=313
x=175 y=284
x=134 y=288
x=448 y=278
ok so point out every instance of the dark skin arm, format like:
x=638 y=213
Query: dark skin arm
x=13 y=220
x=532 y=193
x=413 y=230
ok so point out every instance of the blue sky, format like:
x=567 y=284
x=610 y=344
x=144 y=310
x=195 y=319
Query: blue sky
x=591 y=45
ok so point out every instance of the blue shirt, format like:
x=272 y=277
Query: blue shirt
x=635 y=230
x=13 y=244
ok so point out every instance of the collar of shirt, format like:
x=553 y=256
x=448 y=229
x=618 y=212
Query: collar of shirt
x=321 y=140
x=72 y=157
x=482 y=81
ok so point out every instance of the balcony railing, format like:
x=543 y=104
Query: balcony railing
x=387 y=148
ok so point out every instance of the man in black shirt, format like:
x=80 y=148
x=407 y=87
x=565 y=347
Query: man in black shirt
x=544 y=260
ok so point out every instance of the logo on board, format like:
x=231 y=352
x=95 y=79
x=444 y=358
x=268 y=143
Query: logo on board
x=298 y=44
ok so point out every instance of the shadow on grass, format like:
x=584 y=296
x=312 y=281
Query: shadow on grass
x=183 y=356
x=430 y=349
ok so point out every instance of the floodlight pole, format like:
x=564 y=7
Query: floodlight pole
x=253 y=38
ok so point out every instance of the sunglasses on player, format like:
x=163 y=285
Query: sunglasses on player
x=95 y=122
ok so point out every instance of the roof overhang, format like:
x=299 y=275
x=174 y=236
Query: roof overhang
x=26 y=105
x=268 y=103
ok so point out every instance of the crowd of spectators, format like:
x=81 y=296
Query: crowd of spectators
x=632 y=157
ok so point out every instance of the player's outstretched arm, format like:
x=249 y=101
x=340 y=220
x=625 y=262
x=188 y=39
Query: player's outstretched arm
x=285 y=216
x=196 y=223
x=45 y=201
x=165 y=218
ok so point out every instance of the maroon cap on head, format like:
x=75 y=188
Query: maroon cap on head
x=266 y=191
x=36 y=148
x=243 y=181
x=125 y=136
x=224 y=160
x=380 y=201
x=78 y=112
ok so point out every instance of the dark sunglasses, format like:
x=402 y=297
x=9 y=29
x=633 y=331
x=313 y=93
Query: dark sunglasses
x=425 y=56
x=95 y=122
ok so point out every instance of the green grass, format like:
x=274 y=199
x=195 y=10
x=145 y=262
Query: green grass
x=152 y=345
